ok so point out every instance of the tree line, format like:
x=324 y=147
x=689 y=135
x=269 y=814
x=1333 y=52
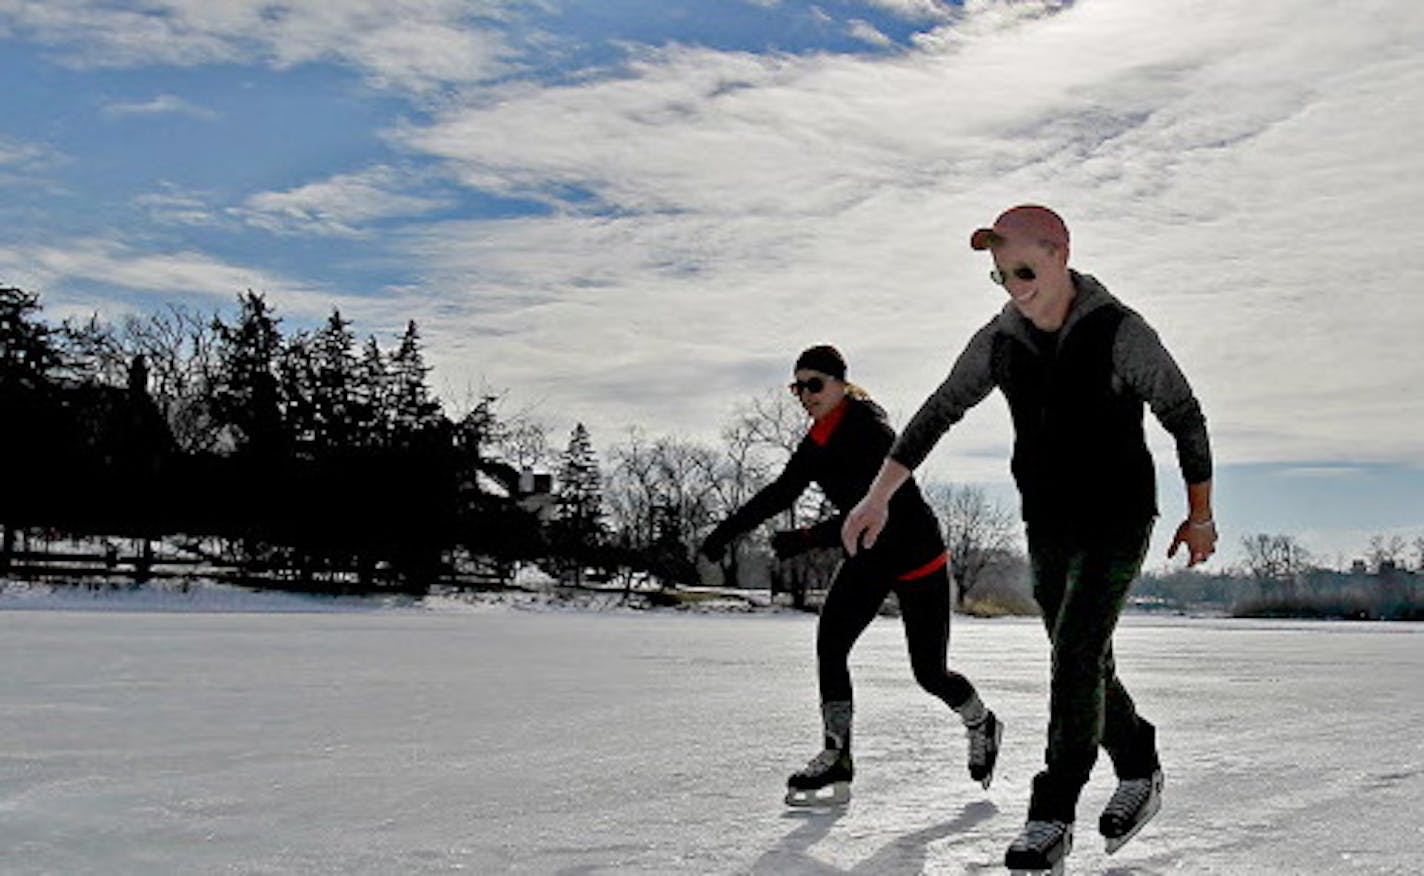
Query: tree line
x=327 y=462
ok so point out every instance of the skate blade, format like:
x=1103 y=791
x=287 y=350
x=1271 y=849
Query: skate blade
x=1056 y=870
x=839 y=796
x=1113 y=843
x=998 y=738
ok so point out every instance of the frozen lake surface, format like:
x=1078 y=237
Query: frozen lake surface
x=410 y=740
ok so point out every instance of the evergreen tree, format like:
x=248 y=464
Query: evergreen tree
x=28 y=352
x=296 y=372
x=370 y=397
x=247 y=395
x=335 y=375
x=579 y=517
x=413 y=410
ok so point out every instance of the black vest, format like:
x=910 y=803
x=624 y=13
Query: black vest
x=1080 y=454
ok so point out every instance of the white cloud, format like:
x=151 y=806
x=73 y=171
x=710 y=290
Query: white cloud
x=51 y=268
x=1226 y=171
x=174 y=205
x=15 y=153
x=22 y=162
x=338 y=205
x=1239 y=173
x=866 y=33
x=163 y=104
x=915 y=10
x=409 y=44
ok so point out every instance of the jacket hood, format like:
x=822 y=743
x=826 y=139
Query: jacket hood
x=1090 y=295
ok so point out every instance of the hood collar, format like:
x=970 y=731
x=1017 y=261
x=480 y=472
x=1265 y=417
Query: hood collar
x=1090 y=295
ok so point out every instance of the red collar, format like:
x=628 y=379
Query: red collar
x=821 y=430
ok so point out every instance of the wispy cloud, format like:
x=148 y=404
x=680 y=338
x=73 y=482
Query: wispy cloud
x=1318 y=472
x=339 y=205
x=15 y=153
x=161 y=105
x=183 y=273
x=737 y=205
x=416 y=45
x=1234 y=171
x=916 y=10
x=174 y=205
x=867 y=33
x=21 y=160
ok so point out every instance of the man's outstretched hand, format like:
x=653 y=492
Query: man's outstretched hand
x=1200 y=539
x=863 y=524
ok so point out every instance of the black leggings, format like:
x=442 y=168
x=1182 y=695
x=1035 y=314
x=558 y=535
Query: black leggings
x=852 y=603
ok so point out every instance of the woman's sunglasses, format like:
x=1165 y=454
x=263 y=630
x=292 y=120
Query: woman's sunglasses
x=1022 y=272
x=812 y=385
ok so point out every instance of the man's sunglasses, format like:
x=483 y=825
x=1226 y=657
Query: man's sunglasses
x=812 y=385
x=1022 y=272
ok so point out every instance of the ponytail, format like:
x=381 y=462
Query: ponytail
x=856 y=392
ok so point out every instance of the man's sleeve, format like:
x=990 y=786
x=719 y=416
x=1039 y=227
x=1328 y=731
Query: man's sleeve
x=969 y=382
x=1145 y=367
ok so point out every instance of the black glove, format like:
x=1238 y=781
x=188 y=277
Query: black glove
x=787 y=543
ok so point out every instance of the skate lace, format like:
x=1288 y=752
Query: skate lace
x=979 y=742
x=1129 y=797
x=821 y=762
x=1039 y=835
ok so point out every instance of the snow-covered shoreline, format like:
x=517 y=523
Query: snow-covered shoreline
x=205 y=596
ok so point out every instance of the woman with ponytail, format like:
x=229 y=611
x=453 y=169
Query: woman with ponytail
x=841 y=452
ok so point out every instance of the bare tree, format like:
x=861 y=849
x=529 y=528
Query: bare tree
x=177 y=346
x=660 y=499
x=734 y=473
x=524 y=442
x=1275 y=561
x=978 y=531
x=517 y=437
x=1386 y=552
x=773 y=420
x=774 y=424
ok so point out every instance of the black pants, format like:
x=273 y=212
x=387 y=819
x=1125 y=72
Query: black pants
x=854 y=599
x=1081 y=582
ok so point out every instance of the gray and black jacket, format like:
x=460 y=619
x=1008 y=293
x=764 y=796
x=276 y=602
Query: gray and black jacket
x=1076 y=397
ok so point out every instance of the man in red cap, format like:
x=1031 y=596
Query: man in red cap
x=1076 y=366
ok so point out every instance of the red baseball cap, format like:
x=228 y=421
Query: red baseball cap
x=1024 y=221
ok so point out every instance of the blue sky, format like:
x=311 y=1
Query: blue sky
x=635 y=213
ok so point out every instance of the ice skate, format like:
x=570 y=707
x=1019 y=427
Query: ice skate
x=1040 y=849
x=984 y=739
x=1132 y=805
x=825 y=781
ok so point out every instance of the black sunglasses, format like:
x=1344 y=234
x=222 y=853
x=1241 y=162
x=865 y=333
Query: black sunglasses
x=1022 y=272
x=812 y=385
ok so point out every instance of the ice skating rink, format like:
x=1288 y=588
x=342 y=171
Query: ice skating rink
x=416 y=741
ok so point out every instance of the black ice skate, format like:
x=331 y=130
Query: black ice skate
x=831 y=769
x=984 y=739
x=1040 y=848
x=1132 y=805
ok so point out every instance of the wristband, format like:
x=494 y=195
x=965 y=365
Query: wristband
x=1207 y=522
